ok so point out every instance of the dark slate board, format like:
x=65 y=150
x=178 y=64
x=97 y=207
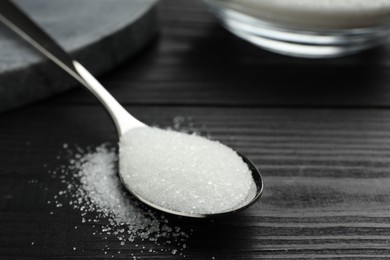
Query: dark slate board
x=99 y=33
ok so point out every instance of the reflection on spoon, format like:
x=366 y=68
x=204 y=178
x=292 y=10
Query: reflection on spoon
x=205 y=178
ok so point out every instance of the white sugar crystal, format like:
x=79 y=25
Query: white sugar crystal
x=92 y=185
x=183 y=172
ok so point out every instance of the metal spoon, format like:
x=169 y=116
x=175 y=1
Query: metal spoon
x=20 y=23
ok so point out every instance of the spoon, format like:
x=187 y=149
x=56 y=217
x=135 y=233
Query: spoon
x=20 y=23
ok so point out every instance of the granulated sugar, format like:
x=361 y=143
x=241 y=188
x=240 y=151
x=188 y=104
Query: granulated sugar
x=93 y=186
x=186 y=173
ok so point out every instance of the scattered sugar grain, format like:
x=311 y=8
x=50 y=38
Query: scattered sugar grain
x=186 y=173
x=92 y=186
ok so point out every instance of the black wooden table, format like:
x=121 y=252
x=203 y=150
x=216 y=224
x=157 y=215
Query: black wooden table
x=319 y=130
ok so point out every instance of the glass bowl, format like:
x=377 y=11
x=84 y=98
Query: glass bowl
x=307 y=28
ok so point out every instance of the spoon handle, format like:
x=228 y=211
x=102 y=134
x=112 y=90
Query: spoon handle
x=20 y=23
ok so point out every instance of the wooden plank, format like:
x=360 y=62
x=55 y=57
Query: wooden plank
x=326 y=183
x=326 y=169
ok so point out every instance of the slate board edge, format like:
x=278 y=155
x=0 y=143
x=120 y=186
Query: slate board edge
x=45 y=79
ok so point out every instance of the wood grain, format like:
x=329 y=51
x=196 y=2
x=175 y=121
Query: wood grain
x=319 y=131
x=325 y=171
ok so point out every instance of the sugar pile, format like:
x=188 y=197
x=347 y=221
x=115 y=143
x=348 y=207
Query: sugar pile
x=182 y=172
x=92 y=186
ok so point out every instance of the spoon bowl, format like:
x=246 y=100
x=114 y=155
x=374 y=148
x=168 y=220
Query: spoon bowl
x=253 y=195
x=20 y=23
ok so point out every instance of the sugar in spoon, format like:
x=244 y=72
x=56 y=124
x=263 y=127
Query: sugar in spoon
x=15 y=19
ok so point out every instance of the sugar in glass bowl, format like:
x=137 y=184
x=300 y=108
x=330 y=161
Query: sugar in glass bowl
x=307 y=28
